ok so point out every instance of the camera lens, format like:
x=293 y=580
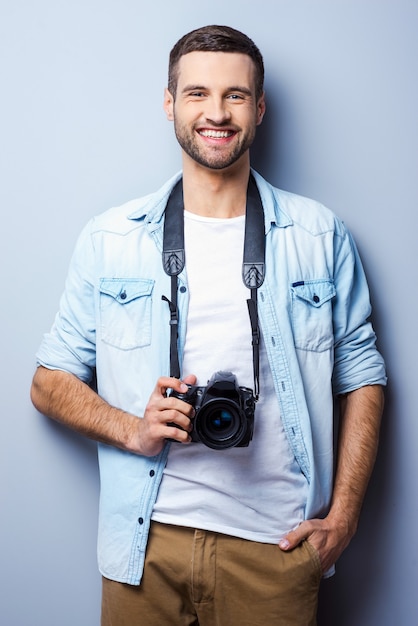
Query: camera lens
x=220 y=420
x=220 y=424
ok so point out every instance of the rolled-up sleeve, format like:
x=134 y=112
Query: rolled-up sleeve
x=71 y=344
x=357 y=361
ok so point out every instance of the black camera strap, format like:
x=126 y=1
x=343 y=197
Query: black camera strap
x=253 y=266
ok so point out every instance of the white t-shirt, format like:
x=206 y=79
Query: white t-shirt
x=256 y=492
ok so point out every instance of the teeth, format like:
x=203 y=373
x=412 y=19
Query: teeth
x=216 y=134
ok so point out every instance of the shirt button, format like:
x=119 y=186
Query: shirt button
x=140 y=520
x=183 y=289
x=315 y=299
x=152 y=473
x=123 y=295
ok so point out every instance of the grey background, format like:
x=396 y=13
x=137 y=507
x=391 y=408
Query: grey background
x=82 y=128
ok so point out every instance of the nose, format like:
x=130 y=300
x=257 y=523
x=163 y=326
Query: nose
x=217 y=111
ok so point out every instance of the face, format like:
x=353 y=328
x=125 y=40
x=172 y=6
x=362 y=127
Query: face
x=215 y=112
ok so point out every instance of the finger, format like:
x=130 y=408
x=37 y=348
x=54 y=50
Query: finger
x=190 y=379
x=167 y=382
x=178 y=415
x=294 y=537
x=178 y=435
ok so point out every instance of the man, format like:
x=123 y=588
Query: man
x=189 y=533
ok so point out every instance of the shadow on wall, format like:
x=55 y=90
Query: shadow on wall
x=266 y=155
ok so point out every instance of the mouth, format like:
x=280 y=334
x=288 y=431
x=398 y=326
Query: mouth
x=215 y=134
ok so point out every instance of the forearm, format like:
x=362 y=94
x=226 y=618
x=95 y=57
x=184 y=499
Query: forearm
x=360 y=417
x=67 y=399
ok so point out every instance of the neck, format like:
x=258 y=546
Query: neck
x=215 y=193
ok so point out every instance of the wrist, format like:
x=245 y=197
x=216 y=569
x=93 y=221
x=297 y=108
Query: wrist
x=342 y=521
x=130 y=433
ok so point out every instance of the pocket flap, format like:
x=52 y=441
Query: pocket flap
x=125 y=290
x=315 y=292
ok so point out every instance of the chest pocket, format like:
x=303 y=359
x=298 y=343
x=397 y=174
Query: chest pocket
x=312 y=314
x=125 y=312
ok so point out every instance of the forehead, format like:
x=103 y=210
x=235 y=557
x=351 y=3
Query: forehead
x=216 y=69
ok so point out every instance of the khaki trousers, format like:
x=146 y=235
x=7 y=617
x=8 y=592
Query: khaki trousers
x=195 y=577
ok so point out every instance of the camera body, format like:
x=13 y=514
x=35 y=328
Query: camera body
x=224 y=412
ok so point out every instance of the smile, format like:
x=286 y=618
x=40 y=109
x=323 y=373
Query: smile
x=216 y=134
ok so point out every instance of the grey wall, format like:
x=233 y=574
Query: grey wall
x=82 y=128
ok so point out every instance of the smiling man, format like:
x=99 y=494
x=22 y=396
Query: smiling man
x=215 y=118
x=222 y=317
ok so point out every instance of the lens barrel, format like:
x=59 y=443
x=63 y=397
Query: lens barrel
x=221 y=424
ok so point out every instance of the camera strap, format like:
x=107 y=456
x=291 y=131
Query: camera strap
x=253 y=266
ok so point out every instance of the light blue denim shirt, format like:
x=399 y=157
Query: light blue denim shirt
x=313 y=307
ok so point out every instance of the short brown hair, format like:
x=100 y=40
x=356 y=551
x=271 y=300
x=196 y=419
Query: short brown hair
x=215 y=39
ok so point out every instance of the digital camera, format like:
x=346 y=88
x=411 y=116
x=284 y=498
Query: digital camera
x=224 y=412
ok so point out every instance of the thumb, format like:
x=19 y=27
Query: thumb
x=190 y=379
x=293 y=538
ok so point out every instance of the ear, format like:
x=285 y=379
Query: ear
x=168 y=105
x=261 y=108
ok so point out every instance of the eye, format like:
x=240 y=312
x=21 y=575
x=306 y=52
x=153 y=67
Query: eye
x=235 y=96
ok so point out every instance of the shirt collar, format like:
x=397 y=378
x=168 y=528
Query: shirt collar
x=273 y=212
x=152 y=207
